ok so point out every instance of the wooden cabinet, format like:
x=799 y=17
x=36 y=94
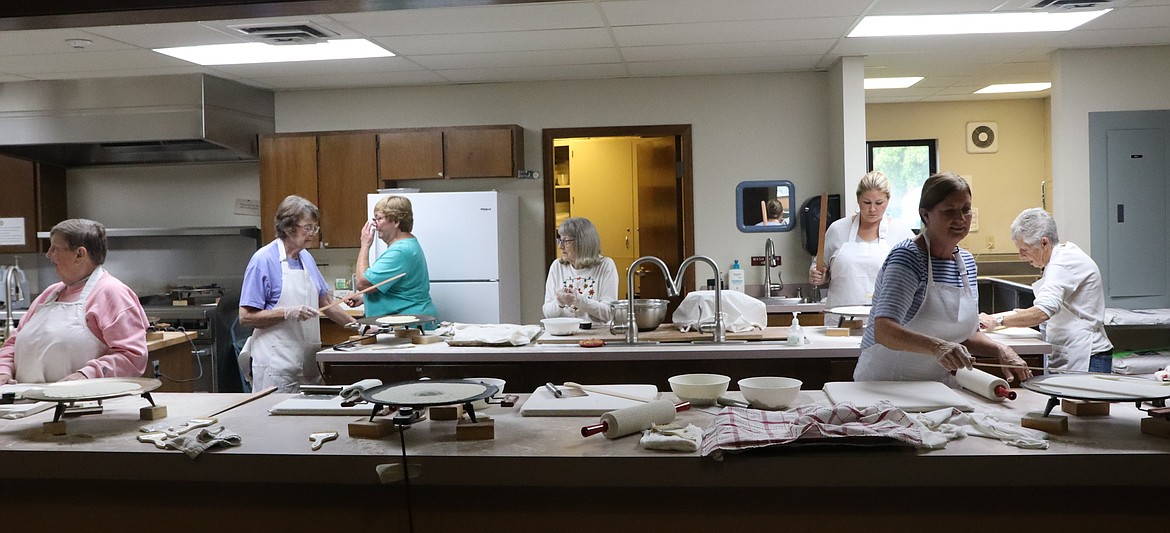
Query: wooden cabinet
x=34 y=192
x=335 y=171
x=454 y=152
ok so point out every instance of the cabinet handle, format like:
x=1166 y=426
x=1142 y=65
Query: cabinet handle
x=440 y=173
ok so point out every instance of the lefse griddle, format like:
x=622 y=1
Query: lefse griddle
x=1098 y=387
x=429 y=393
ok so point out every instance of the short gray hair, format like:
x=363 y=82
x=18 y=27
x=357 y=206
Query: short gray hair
x=290 y=212
x=1034 y=224
x=79 y=232
x=586 y=241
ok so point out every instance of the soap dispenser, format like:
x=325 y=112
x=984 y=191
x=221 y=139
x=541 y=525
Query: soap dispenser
x=735 y=280
x=795 y=332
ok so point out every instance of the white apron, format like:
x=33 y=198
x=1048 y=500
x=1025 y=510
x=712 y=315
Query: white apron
x=55 y=341
x=947 y=312
x=1071 y=337
x=285 y=355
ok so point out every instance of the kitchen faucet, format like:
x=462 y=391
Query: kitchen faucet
x=631 y=325
x=12 y=294
x=771 y=289
x=672 y=289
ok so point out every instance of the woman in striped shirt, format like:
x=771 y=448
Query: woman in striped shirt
x=924 y=323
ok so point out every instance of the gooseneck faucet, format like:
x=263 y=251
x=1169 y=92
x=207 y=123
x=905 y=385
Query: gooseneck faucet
x=769 y=253
x=718 y=335
x=12 y=294
x=631 y=323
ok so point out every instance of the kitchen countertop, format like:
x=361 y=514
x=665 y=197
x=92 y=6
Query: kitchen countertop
x=537 y=467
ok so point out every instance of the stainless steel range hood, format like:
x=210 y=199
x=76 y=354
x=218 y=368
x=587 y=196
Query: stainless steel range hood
x=185 y=118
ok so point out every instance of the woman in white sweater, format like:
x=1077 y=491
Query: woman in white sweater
x=581 y=282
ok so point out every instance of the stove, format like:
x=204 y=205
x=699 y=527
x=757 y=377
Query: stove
x=210 y=311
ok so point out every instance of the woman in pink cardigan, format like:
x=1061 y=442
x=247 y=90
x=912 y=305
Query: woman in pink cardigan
x=89 y=325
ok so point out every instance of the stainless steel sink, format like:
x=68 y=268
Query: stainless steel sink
x=779 y=300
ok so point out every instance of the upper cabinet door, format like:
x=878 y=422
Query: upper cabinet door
x=288 y=165
x=347 y=170
x=19 y=200
x=483 y=152
x=410 y=155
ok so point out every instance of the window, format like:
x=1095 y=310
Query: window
x=907 y=164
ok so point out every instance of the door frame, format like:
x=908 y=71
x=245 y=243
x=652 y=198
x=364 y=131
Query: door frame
x=682 y=135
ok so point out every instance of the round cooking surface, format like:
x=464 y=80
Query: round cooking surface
x=1098 y=386
x=396 y=320
x=91 y=389
x=429 y=392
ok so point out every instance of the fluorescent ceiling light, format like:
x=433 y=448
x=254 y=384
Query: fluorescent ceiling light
x=884 y=26
x=1014 y=88
x=891 y=83
x=247 y=53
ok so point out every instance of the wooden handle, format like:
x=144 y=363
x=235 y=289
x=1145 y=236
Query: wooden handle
x=253 y=397
x=598 y=390
x=997 y=365
x=363 y=291
x=821 y=223
x=764 y=211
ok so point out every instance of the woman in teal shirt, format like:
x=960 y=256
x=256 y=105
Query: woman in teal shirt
x=410 y=294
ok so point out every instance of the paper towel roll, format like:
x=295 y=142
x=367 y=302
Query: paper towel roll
x=631 y=420
x=984 y=384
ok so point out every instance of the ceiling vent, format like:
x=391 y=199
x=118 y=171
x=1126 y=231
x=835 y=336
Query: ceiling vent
x=285 y=32
x=1064 y=6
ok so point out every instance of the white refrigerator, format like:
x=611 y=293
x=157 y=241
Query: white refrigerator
x=472 y=244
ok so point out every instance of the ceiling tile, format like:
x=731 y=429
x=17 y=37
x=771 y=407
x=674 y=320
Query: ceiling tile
x=534 y=73
x=483 y=19
x=730 y=32
x=87 y=62
x=497 y=42
x=358 y=79
x=165 y=35
x=537 y=58
x=723 y=66
x=319 y=68
x=14 y=43
x=716 y=50
x=642 y=12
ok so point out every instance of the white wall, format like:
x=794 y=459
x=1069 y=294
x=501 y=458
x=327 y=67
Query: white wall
x=745 y=127
x=1084 y=81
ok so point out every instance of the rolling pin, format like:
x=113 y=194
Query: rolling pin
x=631 y=420
x=984 y=384
x=363 y=291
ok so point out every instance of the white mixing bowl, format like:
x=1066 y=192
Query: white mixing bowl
x=699 y=389
x=770 y=392
x=561 y=325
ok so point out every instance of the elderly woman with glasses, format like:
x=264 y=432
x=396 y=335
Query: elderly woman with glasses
x=281 y=292
x=581 y=282
x=410 y=294
x=88 y=325
x=1070 y=297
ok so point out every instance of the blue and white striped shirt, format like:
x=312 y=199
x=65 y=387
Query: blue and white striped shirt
x=901 y=283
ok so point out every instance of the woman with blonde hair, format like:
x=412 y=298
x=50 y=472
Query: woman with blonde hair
x=856 y=246
x=411 y=294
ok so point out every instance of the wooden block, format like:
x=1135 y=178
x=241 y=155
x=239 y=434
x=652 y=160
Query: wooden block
x=364 y=339
x=1084 y=407
x=407 y=333
x=837 y=332
x=363 y=428
x=446 y=412
x=54 y=428
x=152 y=412
x=484 y=428
x=1054 y=424
x=1158 y=427
x=152 y=336
x=852 y=324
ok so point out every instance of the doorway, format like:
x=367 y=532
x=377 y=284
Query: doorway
x=635 y=184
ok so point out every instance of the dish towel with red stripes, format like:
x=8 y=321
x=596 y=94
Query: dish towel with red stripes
x=737 y=428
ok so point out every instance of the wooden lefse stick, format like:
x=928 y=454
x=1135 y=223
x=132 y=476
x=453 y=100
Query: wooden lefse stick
x=363 y=291
x=599 y=390
x=997 y=365
x=255 y=396
x=821 y=231
x=764 y=212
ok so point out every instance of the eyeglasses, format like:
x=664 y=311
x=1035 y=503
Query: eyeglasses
x=565 y=240
x=312 y=229
x=379 y=218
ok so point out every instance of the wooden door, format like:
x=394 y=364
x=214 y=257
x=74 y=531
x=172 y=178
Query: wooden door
x=52 y=203
x=480 y=152
x=288 y=165
x=19 y=202
x=601 y=177
x=658 y=211
x=347 y=170
x=410 y=154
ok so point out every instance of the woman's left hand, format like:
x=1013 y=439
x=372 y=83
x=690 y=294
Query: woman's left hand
x=75 y=376
x=1018 y=371
x=368 y=233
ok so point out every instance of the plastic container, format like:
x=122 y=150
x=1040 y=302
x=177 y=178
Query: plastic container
x=795 y=332
x=735 y=279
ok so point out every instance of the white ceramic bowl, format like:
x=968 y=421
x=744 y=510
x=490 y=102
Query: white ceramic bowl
x=770 y=392
x=499 y=383
x=561 y=325
x=699 y=389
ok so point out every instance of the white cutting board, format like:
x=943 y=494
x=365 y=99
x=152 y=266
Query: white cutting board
x=543 y=403
x=910 y=396
x=318 y=404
